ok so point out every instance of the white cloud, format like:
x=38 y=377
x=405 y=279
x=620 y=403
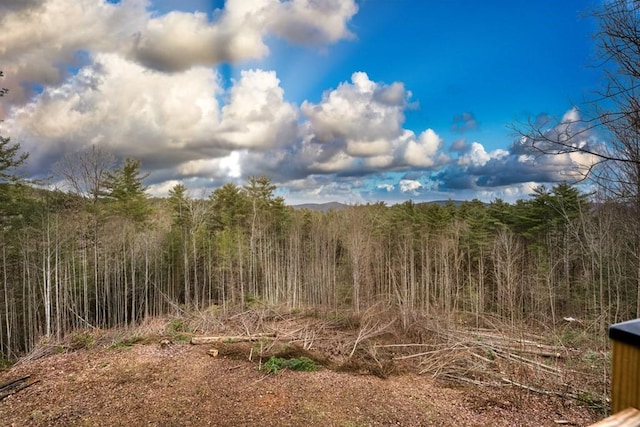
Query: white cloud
x=339 y=162
x=424 y=152
x=477 y=156
x=43 y=40
x=356 y=129
x=256 y=114
x=358 y=126
x=136 y=112
x=231 y=164
x=409 y=186
x=180 y=40
x=37 y=44
x=312 y=21
x=381 y=162
x=164 y=120
x=98 y=73
x=354 y=115
x=509 y=193
x=163 y=188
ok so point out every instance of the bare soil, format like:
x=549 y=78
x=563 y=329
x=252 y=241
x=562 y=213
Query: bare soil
x=184 y=385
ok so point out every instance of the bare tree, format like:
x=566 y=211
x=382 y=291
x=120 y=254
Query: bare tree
x=614 y=115
x=85 y=171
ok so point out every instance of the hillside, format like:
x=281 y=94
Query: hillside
x=127 y=377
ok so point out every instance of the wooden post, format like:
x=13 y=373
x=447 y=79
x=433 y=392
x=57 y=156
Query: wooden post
x=625 y=365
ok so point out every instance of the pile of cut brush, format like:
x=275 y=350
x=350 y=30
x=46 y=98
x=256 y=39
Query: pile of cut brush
x=380 y=342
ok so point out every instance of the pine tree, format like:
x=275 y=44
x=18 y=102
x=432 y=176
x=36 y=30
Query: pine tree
x=124 y=187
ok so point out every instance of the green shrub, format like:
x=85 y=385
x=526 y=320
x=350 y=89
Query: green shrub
x=126 y=343
x=253 y=301
x=177 y=326
x=82 y=340
x=276 y=364
x=5 y=363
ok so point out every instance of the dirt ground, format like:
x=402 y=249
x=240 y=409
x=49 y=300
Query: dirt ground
x=183 y=385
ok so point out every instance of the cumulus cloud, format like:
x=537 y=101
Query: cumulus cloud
x=256 y=114
x=39 y=44
x=311 y=21
x=409 y=186
x=144 y=85
x=180 y=40
x=355 y=131
x=173 y=123
x=478 y=169
x=358 y=128
x=358 y=115
x=424 y=152
x=43 y=39
x=476 y=155
x=148 y=115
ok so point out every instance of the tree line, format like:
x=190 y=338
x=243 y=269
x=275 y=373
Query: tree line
x=102 y=253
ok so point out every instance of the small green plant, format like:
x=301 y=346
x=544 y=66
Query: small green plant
x=253 y=301
x=179 y=330
x=592 y=401
x=182 y=338
x=81 y=340
x=276 y=364
x=177 y=326
x=491 y=355
x=126 y=343
x=302 y=364
x=5 y=363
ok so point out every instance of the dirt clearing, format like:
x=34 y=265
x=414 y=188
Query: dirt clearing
x=178 y=384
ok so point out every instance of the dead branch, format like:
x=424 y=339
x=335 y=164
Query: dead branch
x=231 y=338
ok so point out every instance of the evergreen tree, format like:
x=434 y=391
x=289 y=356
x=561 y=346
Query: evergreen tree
x=10 y=160
x=124 y=187
x=178 y=200
x=229 y=207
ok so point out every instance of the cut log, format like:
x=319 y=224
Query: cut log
x=15 y=386
x=230 y=338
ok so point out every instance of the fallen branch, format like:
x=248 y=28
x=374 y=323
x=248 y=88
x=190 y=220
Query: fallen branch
x=231 y=338
x=369 y=330
x=534 y=364
x=472 y=381
x=540 y=391
x=401 y=345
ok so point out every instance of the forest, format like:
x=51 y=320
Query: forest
x=103 y=253
x=100 y=252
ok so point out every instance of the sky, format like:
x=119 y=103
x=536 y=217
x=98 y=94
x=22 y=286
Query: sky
x=353 y=101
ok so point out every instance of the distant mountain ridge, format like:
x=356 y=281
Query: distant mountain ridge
x=337 y=206
x=322 y=207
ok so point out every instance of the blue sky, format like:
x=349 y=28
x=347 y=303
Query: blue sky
x=335 y=100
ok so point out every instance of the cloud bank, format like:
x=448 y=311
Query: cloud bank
x=149 y=86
